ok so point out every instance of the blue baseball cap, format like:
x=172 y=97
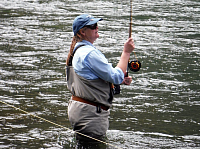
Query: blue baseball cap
x=83 y=20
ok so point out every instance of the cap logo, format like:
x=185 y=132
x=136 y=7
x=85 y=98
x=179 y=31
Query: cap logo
x=89 y=16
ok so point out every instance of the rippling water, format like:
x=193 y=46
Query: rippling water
x=160 y=109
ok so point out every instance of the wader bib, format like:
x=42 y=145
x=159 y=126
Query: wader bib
x=87 y=118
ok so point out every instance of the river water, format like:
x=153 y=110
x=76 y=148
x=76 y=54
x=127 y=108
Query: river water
x=160 y=109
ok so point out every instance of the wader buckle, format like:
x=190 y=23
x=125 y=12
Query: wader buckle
x=98 y=109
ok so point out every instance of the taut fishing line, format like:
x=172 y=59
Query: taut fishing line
x=59 y=125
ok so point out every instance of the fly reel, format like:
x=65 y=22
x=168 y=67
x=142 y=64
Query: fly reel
x=134 y=65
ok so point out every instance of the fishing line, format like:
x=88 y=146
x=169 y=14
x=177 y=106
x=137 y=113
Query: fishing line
x=59 y=125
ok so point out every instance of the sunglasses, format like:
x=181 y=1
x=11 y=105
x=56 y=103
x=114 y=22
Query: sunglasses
x=92 y=27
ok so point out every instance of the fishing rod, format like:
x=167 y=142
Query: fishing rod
x=130 y=24
x=133 y=65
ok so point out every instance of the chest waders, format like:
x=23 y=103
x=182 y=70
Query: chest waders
x=93 y=92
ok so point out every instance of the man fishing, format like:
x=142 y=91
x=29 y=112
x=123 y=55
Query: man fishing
x=90 y=79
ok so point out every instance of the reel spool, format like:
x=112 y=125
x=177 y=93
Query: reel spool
x=134 y=65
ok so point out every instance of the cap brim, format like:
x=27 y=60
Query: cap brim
x=94 y=20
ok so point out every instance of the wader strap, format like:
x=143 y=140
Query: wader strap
x=71 y=57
